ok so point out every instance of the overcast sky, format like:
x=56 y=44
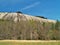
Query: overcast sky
x=46 y=8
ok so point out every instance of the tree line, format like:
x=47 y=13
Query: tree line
x=29 y=30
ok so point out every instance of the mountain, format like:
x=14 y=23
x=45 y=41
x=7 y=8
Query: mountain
x=27 y=27
x=20 y=16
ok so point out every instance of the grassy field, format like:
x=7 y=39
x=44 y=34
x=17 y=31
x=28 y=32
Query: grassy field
x=28 y=43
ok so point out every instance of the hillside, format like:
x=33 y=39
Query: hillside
x=18 y=26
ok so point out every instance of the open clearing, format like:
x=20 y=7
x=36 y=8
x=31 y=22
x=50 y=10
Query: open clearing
x=29 y=42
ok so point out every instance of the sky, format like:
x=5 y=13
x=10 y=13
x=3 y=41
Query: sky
x=47 y=8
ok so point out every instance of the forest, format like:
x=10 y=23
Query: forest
x=29 y=30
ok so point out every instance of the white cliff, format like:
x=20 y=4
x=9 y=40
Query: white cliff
x=19 y=16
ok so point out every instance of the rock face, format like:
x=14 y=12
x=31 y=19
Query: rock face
x=18 y=16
